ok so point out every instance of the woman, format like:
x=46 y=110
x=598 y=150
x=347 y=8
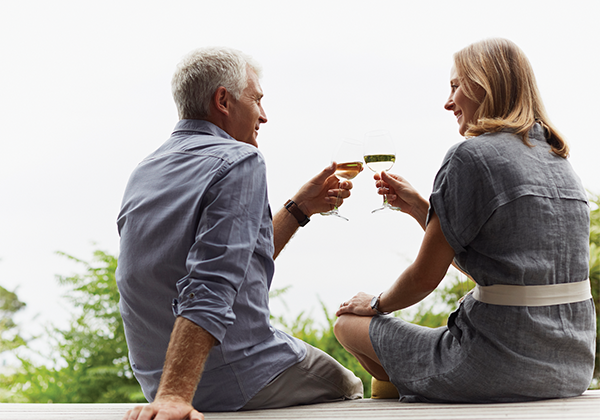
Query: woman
x=509 y=211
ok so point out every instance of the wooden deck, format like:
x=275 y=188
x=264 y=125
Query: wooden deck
x=579 y=408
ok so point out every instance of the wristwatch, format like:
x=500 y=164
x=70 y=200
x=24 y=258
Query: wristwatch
x=375 y=305
x=295 y=211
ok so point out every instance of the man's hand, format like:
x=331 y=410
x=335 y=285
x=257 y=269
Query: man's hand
x=316 y=196
x=188 y=350
x=169 y=409
x=320 y=193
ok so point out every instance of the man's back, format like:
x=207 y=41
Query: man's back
x=196 y=227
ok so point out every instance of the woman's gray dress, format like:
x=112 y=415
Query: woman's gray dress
x=514 y=215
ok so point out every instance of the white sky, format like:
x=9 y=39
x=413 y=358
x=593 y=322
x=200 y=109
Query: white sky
x=85 y=95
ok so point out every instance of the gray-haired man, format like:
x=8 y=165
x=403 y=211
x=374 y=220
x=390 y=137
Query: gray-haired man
x=198 y=241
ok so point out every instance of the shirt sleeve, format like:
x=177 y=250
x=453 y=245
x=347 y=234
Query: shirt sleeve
x=462 y=198
x=233 y=213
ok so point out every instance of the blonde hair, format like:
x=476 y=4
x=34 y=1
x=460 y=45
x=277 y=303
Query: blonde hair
x=512 y=100
x=202 y=71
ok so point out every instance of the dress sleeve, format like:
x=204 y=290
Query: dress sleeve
x=234 y=213
x=462 y=197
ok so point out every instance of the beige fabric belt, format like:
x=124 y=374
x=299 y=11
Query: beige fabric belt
x=546 y=295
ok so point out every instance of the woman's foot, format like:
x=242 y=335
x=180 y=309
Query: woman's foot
x=383 y=390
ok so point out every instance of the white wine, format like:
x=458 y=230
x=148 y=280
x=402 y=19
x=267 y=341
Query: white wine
x=348 y=170
x=378 y=163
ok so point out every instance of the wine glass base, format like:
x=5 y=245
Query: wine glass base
x=334 y=212
x=387 y=206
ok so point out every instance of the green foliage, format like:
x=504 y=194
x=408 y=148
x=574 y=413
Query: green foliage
x=433 y=312
x=304 y=328
x=89 y=360
x=595 y=273
x=89 y=363
x=9 y=333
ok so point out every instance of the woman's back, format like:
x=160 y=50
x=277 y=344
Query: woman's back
x=518 y=215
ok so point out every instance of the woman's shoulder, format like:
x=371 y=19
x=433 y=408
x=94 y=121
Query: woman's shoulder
x=503 y=147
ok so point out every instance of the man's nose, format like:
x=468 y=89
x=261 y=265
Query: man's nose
x=263 y=116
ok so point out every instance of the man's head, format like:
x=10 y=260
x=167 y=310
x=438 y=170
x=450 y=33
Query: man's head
x=220 y=85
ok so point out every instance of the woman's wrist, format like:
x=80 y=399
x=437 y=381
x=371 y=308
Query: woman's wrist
x=420 y=211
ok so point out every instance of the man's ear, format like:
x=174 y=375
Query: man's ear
x=222 y=101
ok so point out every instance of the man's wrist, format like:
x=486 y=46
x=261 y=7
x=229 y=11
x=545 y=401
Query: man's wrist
x=297 y=212
x=171 y=396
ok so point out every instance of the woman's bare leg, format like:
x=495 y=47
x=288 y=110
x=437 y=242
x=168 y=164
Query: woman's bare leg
x=352 y=331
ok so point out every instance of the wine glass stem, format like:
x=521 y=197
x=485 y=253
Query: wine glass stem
x=337 y=200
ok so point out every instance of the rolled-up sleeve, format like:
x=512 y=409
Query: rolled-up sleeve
x=230 y=220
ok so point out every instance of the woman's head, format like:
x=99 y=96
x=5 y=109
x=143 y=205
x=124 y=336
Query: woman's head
x=464 y=101
x=496 y=74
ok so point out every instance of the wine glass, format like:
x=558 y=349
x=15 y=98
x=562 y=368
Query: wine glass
x=380 y=155
x=349 y=164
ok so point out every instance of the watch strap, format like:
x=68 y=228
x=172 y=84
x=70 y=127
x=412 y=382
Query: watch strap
x=295 y=211
x=375 y=305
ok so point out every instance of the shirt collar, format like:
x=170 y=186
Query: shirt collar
x=201 y=127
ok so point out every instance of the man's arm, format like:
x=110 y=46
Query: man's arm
x=188 y=349
x=316 y=196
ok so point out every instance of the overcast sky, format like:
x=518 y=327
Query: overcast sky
x=85 y=95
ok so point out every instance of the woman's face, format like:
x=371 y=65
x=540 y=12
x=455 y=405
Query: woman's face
x=462 y=107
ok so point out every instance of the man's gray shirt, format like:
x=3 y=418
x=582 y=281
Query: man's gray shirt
x=197 y=241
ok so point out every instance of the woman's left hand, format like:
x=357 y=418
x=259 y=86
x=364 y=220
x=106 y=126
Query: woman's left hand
x=358 y=305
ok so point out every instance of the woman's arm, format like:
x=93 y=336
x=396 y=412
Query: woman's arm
x=416 y=282
x=402 y=195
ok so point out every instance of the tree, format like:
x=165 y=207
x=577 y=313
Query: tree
x=91 y=357
x=595 y=273
x=9 y=333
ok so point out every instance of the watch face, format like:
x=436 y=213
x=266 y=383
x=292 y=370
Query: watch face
x=374 y=304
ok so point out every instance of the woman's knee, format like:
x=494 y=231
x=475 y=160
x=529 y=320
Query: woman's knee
x=340 y=327
x=349 y=328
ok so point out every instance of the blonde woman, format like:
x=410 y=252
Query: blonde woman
x=508 y=210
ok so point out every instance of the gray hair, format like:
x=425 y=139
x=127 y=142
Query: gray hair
x=202 y=72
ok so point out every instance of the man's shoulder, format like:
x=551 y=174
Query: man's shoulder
x=197 y=145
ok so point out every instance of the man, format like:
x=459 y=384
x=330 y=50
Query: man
x=198 y=242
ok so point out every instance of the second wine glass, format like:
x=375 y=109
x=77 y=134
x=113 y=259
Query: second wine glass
x=380 y=155
x=347 y=156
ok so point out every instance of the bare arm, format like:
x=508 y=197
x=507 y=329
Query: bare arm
x=316 y=196
x=188 y=349
x=416 y=282
x=401 y=194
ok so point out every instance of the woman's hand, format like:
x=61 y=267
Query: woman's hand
x=401 y=194
x=358 y=305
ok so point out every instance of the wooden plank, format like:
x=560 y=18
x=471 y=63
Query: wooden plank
x=580 y=408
